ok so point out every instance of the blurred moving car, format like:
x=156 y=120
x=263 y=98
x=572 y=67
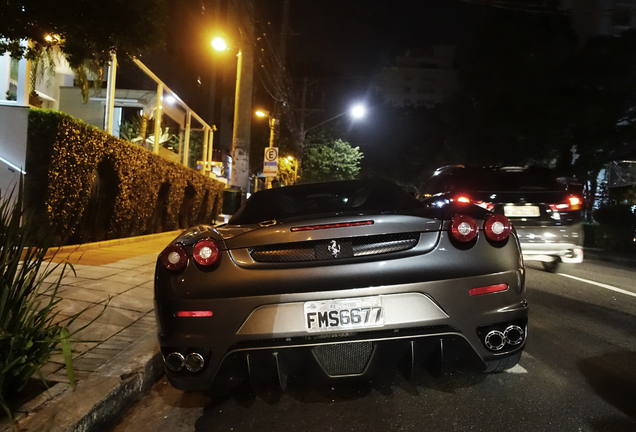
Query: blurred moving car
x=545 y=209
x=339 y=280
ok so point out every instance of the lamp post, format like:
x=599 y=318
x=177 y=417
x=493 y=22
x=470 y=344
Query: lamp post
x=239 y=175
x=291 y=159
x=273 y=124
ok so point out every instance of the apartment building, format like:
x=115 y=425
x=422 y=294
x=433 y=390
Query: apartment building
x=420 y=78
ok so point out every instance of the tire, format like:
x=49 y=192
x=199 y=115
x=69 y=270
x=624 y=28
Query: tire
x=496 y=366
x=552 y=266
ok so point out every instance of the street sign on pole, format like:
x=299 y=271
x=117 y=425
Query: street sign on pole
x=270 y=164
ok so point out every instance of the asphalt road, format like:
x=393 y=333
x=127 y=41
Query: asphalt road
x=578 y=373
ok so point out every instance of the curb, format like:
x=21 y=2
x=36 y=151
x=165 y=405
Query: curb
x=98 y=401
x=107 y=243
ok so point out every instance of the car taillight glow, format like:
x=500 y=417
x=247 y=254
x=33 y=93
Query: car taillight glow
x=463 y=228
x=174 y=257
x=193 y=314
x=206 y=252
x=573 y=203
x=497 y=227
x=463 y=199
x=488 y=289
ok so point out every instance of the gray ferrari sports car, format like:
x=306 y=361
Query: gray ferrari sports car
x=339 y=280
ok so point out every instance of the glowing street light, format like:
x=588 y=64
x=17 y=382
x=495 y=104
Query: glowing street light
x=219 y=44
x=357 y=112
x=295 y=165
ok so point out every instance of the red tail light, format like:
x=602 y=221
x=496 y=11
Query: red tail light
x=193 y=314
x=573 y=203
x=466 y=200
x=329 y=226
x=463 y=228
x=174 y=257
x=497 y=227
x=206 y=252
x=488 y=289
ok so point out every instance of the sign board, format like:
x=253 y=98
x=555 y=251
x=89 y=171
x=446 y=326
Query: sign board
x=270 y=164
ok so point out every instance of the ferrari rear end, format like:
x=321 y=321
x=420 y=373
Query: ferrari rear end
x=339 y=280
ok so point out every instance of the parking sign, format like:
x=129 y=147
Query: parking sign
x=270 y=164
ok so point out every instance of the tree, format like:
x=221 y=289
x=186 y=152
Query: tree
x=85 y=31
x=326 y=158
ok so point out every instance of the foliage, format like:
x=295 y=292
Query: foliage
x=139 y=129
x=617 y=227
x=616 y=218
x=287 y=170
x=28 y=331
x=326 y=158
x=88 y=31
x=96 y=186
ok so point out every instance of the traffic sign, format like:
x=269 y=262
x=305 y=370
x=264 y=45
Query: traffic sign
x=270 y=165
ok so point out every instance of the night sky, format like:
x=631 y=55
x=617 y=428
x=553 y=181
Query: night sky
x=357 y=37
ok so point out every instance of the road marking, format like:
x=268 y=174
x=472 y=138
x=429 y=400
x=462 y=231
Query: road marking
x=517 y=370
x=598 y=284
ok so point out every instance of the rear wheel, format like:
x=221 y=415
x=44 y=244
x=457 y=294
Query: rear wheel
x=552 y=266
x=503 y=364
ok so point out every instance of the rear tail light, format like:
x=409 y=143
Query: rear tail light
x=174 y=257
x=463 y=228
x=572 y=203
x=193 y=314
x=488 y=289
x=497 y=227
x=466 y=200
x=206 y=252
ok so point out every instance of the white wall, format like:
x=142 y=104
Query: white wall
x=13 y=139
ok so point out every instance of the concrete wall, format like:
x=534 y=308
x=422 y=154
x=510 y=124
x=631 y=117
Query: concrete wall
x=13 y=138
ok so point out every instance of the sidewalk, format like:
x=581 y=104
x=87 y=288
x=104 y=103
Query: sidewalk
x=117 y=356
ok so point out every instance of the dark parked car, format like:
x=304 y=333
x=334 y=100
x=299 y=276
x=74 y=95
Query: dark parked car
x=544 y=208
x=338 y=280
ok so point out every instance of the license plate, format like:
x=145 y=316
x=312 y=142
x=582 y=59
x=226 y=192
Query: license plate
x=343 y=314
x=521 y=211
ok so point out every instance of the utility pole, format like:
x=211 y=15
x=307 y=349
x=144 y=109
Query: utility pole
x=243 y=101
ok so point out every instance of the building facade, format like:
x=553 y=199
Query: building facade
x=420 y=78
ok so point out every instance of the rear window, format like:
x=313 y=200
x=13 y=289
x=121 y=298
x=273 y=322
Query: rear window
x=485 y=180
x=323 y=199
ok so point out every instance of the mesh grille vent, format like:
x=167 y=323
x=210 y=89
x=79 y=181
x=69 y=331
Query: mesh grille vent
x=344 y=358
x=324 y=249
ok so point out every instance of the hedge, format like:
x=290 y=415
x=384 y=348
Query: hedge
x=92 y=186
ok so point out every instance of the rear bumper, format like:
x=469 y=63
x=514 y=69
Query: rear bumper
x=550 y=243
x=428 y=323
x=433 y=349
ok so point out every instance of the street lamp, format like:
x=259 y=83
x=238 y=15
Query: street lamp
x=295 y=162
x=357 y=112
x=273 y=123
x=239 y=175
x=219 y=44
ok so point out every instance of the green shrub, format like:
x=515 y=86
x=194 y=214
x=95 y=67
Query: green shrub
x=96 y=186
x=617 y=226
x=28 y=334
